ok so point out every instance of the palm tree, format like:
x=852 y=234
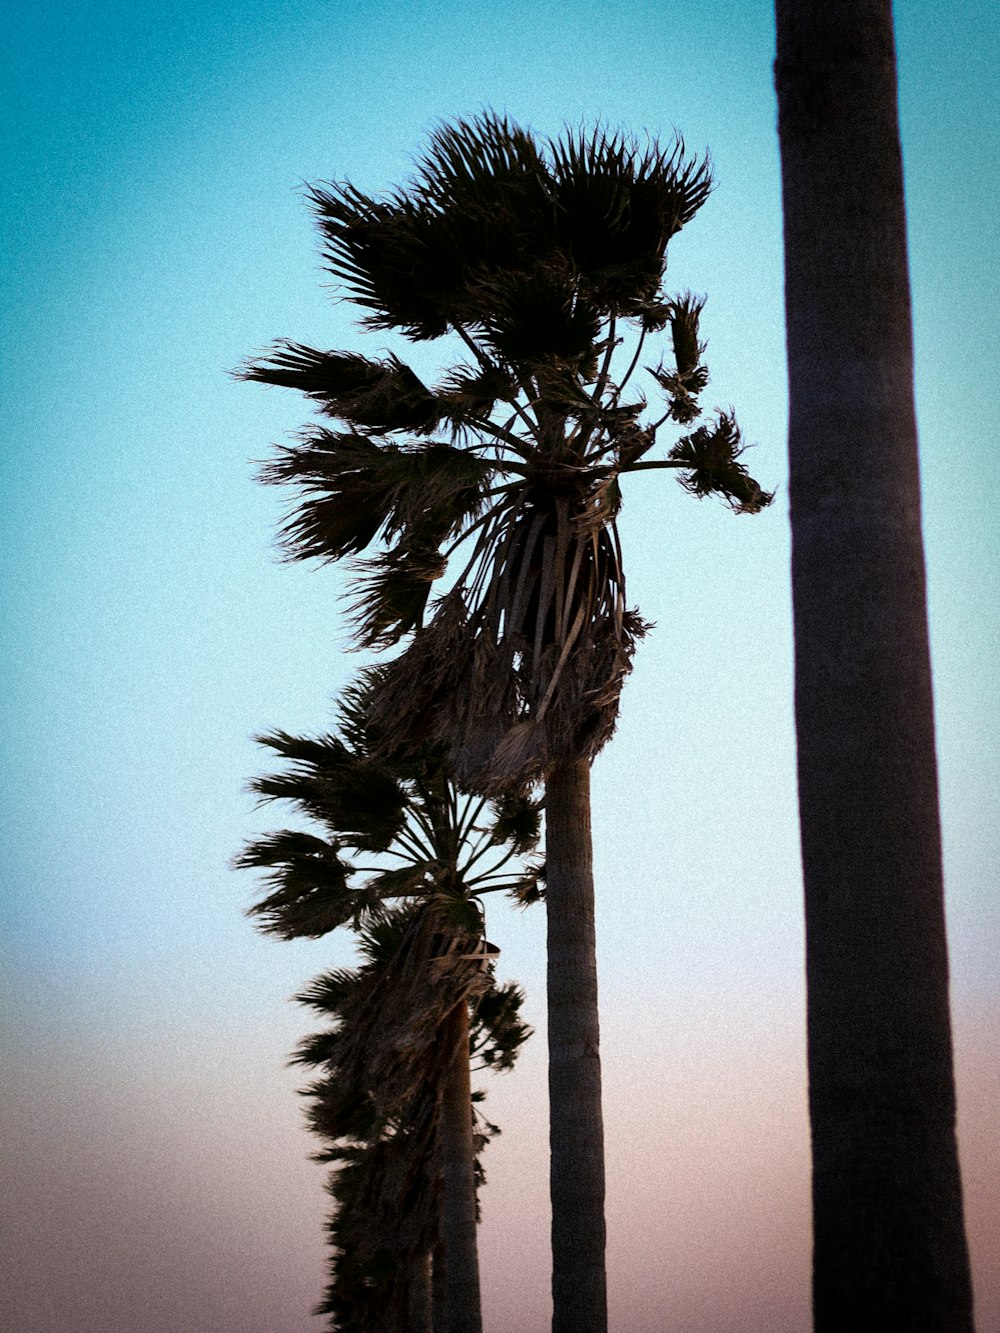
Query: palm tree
x=889 y=1246
x=395 y=1147
x=423 y=841
x=544 y=262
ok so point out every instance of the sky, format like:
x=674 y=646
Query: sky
x=153 y=234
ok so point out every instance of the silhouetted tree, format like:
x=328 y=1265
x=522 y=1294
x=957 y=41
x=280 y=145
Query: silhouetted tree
x=394 y=1105
x=424 y=841
x=890 y=1249
x=545 y=260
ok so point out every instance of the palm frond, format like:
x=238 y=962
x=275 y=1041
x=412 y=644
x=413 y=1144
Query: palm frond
x=328 y=992
x=710 y=456
x=404 y=881
x=685 y=314
x=310 y=895
x=536 y=313
x=390 y=594
x=617 y=206
x=272 y=850
x=473 y=391
x=385 y=253
x=343 y=1115
x=359 y=799
x=313 y=753
x=347 y=500
x=476 y=162
x=360 y=731
x=518 y=820
x=382 y=395
x=356 y=489
x=689 y=377
x=305 y=907
x=319 y=1048
x=459 y=913
x=529 y=888
x=353 y=708
x=653 y=315
x=498 y=1032
x=380 y=939
x=407 y=259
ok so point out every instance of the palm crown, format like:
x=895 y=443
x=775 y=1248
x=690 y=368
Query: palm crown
x=386 y=828
x=547 y=260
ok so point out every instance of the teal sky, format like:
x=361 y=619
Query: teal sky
x=153 y=233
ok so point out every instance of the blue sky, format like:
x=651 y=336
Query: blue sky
x=153 y=234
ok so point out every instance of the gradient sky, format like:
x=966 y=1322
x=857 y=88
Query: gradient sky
x=153 y=234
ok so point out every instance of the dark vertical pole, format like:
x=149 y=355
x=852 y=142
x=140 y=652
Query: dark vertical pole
x=889 y=1243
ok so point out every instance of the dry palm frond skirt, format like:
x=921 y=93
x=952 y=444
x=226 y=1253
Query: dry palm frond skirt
x=521 y=666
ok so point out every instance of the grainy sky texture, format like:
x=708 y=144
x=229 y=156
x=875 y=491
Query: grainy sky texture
x=154 y=234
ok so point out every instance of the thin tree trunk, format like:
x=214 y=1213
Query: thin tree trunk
x=576 y=1129
x=458 y=1183
x=889 y=1243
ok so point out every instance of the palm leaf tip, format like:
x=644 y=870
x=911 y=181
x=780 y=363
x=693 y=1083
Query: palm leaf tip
x=689 y=377
x=500 y=1032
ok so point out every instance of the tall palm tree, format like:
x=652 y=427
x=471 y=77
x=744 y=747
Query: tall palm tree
x=889 y=1247
x=397 y=829
x=393 y=1146
x=544 y=263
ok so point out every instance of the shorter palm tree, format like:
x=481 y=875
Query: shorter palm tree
x=389 y=1133
x=395 y=830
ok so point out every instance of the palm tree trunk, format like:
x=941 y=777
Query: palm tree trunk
x=458 y=1184
x=439 y=1289
x=576 y=1128
x=889 y=1242
x=419 y=1317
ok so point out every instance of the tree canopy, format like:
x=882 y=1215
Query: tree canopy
x=546 y=259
